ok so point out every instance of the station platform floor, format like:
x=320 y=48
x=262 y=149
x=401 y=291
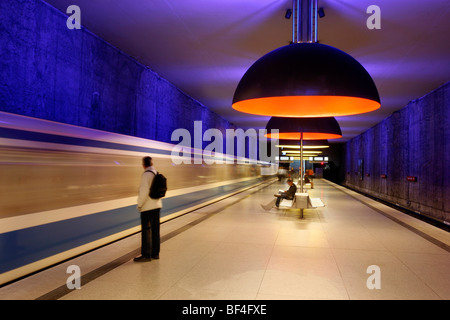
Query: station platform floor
x=235 y=250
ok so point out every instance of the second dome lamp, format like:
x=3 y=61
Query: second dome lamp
x=306 y=79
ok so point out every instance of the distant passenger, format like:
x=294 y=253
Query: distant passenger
x=149 y=209
x=309 y=177
x=288 y=194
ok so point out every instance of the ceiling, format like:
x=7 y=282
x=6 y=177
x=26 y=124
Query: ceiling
x=205 y=46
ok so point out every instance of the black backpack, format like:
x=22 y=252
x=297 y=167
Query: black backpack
x=159 y=186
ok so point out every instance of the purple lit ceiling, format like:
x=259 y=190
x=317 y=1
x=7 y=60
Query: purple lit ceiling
x=205 y=46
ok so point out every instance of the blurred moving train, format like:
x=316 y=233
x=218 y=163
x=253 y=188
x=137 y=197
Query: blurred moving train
x=65 y=190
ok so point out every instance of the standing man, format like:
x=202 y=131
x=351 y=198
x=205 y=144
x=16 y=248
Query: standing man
x=149 y=209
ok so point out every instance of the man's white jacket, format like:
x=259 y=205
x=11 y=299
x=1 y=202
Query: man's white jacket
x=144 y=202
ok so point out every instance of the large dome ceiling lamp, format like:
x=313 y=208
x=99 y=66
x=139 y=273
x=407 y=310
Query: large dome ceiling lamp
x=305 y=78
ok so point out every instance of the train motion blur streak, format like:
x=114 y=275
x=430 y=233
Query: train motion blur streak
x=65 y=189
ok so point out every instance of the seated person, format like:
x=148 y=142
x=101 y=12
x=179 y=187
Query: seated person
x=288 y=194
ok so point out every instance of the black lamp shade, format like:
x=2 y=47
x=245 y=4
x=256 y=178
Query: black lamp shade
x=312 y=128
x=306 y=80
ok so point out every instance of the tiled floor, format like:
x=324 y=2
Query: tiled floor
x=244 y=252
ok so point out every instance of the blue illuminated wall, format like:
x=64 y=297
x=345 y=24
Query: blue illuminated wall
x=72 y=76
x=413 y=142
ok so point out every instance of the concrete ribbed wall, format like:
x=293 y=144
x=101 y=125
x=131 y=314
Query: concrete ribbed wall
x=414 y=141
x=50 y=72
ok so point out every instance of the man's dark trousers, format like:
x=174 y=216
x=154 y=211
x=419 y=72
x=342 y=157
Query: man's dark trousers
x=150 y=233
x=281 y=197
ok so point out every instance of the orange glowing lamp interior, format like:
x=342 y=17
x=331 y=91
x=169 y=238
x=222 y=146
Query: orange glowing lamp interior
x=306 y=106
x=306 y=136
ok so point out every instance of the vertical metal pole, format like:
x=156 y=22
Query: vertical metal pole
x=304 y=22
x=310 y=21
x=315 y=20
x=298 y=22
x=301 y=162
x=294 y=17
x=294 y=9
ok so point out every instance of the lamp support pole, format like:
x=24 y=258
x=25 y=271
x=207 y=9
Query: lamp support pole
x=301 y=162
x=304 y=21
x=304 y=29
